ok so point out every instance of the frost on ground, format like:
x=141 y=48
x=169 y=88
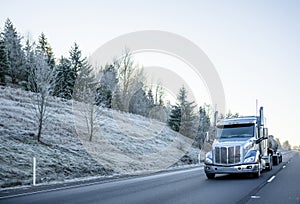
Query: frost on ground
x=60 y=157
x=123 y=143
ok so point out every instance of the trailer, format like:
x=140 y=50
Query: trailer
x=273 y=150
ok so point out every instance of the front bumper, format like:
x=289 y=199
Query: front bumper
x=234 y=169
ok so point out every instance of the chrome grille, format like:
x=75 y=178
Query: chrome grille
x=228 y=155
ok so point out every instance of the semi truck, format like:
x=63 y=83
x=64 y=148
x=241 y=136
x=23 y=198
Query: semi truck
x=241 y=146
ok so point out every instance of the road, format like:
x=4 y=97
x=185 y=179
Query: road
x=281 y=185
x=284 y=188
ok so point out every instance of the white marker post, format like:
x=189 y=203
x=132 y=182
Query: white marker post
x=34 y=169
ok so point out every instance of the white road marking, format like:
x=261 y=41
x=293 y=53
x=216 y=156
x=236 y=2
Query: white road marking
x=255 y=197
x=271 y=179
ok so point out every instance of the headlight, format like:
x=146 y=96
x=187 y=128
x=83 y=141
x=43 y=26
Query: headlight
x=250 y=159
x=208 y=158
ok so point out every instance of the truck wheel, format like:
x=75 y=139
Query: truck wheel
x=270 y=166
x=257 y=174
x=210 y=176
x=280 y=158
x=275 y=160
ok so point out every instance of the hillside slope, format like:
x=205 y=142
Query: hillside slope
x=123 y=143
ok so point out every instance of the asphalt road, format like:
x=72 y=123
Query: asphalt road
x=281 y=185
x=284 y=187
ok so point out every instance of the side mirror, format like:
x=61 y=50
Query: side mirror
x=260 y=139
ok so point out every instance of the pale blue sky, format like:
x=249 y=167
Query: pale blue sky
x=254 y=45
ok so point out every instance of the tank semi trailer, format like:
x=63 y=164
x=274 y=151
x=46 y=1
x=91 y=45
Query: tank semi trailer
x=273 y=150
x=241 y=146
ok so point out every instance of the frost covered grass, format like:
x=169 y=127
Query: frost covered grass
x=123 y=143
x=61 y=155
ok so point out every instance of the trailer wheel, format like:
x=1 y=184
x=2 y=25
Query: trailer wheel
x=280 y=158
x=275 y=160
x=210 y=175
x=270 y=167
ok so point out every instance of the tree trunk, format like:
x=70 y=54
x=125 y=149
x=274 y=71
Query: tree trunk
x=40 y=130
x=41 y=115
x=92 y=122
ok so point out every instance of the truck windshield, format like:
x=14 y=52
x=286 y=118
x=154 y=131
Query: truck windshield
x=237 y=130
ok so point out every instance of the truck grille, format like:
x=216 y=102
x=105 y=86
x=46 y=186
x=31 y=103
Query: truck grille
x=228 y=155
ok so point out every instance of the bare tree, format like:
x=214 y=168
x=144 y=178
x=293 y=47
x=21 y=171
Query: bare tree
x=159 y=94
x=126 y=72
x=41 y=81
x=85 y=102
x=129 y=75
x=89 y=110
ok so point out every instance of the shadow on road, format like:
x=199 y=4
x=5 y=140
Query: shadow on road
x=234 y=177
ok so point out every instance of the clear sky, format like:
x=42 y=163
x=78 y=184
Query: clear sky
x=254 y=45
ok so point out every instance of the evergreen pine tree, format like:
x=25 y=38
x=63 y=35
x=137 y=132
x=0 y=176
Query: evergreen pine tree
x=186 y=121
x=4 y=65
x=76 y=60
x=204 y=126
x=63 y=85
x=44 y=48
x=117 y=102
x=182 y=96
x=175 y=118
x=150 y=96
x=12 y=42
x=81 y=72
x=29 y=61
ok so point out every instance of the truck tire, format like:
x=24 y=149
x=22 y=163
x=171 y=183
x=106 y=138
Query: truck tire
x=270 y=166
x=210 y=176
x=257 y=174
x=280 y=158
x=275 y=160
